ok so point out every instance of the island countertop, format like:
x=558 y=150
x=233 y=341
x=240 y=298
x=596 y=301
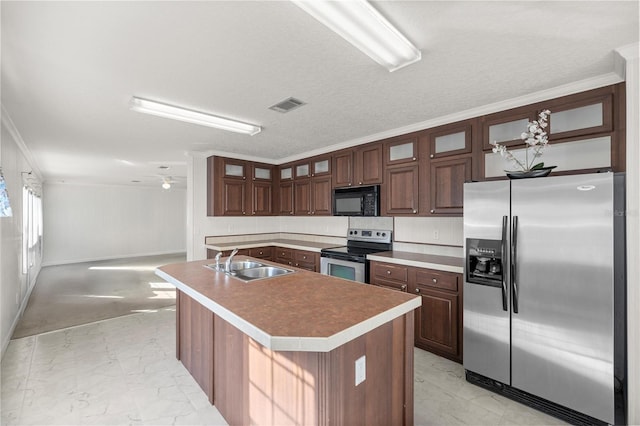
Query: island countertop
x=302 y=311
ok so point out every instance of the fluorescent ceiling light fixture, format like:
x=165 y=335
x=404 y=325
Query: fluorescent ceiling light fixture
x=364 y=27
x=177 y=113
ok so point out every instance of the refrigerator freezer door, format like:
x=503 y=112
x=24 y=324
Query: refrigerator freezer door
x=562 y=333
x=486 y=323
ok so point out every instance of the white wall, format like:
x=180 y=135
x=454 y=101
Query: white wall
x=15 y=286
x=95 y=222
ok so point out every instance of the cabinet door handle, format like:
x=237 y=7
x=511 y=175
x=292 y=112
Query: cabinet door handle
x=413 y=158
x=388 y=272
x=414 y=211
x=349 y=183
x=432 y=211
x=404 y=287
x=359 y=183
x=417 y=290
x=431 y=156
x=304 y=257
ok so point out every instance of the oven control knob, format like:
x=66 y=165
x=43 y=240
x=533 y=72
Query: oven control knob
x=384 y=234
x=378 y=234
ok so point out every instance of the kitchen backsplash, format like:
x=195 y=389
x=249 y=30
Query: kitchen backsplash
x=445 y=231
x=428 y=235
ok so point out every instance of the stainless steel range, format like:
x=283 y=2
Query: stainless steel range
x=350 y=261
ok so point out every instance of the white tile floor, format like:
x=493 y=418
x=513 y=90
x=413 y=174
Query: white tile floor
x=123 y=371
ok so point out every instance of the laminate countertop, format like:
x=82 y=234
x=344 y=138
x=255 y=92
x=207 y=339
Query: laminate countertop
x=279 y=242
x=302 y=311
x=430 y=261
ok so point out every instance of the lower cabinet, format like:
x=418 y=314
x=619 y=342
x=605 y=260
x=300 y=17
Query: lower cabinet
x=302 y=259
x=394 y=277
x=212 y=253
x=265 y=253
x=438 y=322
x=306 y=260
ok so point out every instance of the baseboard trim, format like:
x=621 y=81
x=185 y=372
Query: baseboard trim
x=23 y=306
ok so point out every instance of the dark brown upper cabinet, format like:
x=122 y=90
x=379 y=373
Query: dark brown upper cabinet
x=506 y=127
x=401 y=149
x=357 y=166
x=453 y=139
x=239 y=188
x=581 y=117
x=312 y=187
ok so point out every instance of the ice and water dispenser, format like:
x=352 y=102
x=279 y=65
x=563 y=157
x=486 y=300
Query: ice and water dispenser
x=484 y=262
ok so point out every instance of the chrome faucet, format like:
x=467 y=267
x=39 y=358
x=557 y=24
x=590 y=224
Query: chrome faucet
x=218 y=256
x=229 y=259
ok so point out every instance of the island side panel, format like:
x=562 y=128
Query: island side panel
x=386 y=395
x=194 y=341
x=254 y=385
x=250 y=384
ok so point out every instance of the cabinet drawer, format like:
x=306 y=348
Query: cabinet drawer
x=392 y=272
x=393 y=285
x=442 y=280
x=284 y=253
x=261 y=252
x=305 y=256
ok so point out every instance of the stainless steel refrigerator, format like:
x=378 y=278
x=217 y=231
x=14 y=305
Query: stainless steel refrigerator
x=544 y=309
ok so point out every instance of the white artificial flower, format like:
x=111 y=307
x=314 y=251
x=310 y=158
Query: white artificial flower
x=535 y=137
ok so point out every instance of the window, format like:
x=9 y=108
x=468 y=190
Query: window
x=32 y=226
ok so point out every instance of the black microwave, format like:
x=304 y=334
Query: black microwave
x=358 y=201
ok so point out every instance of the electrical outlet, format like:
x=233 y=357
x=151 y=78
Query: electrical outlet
x=361 y=370
x=436 y=234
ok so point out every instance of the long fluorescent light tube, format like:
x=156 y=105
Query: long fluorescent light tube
x=169 y=111
x=365 y=28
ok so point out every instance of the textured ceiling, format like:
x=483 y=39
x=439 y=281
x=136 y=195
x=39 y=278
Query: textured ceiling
x=69 y=70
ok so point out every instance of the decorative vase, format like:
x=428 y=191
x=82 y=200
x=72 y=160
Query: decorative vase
x=525 y=174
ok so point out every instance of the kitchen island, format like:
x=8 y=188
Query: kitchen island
x=285 y=350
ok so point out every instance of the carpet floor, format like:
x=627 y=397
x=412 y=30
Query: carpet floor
x=82 y=293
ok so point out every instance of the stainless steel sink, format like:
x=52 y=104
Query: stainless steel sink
x=248 y=270
x=261 y=272
x=235 y=266
x=245 y=264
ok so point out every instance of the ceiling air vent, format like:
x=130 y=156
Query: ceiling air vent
x=287 y=105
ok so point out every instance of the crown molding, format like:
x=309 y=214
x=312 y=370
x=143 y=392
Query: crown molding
x=543 y=95
x=624 y=55
x=15 y=134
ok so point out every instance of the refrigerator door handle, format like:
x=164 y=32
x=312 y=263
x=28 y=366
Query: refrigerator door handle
x=514 y=269
x=505 y=306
